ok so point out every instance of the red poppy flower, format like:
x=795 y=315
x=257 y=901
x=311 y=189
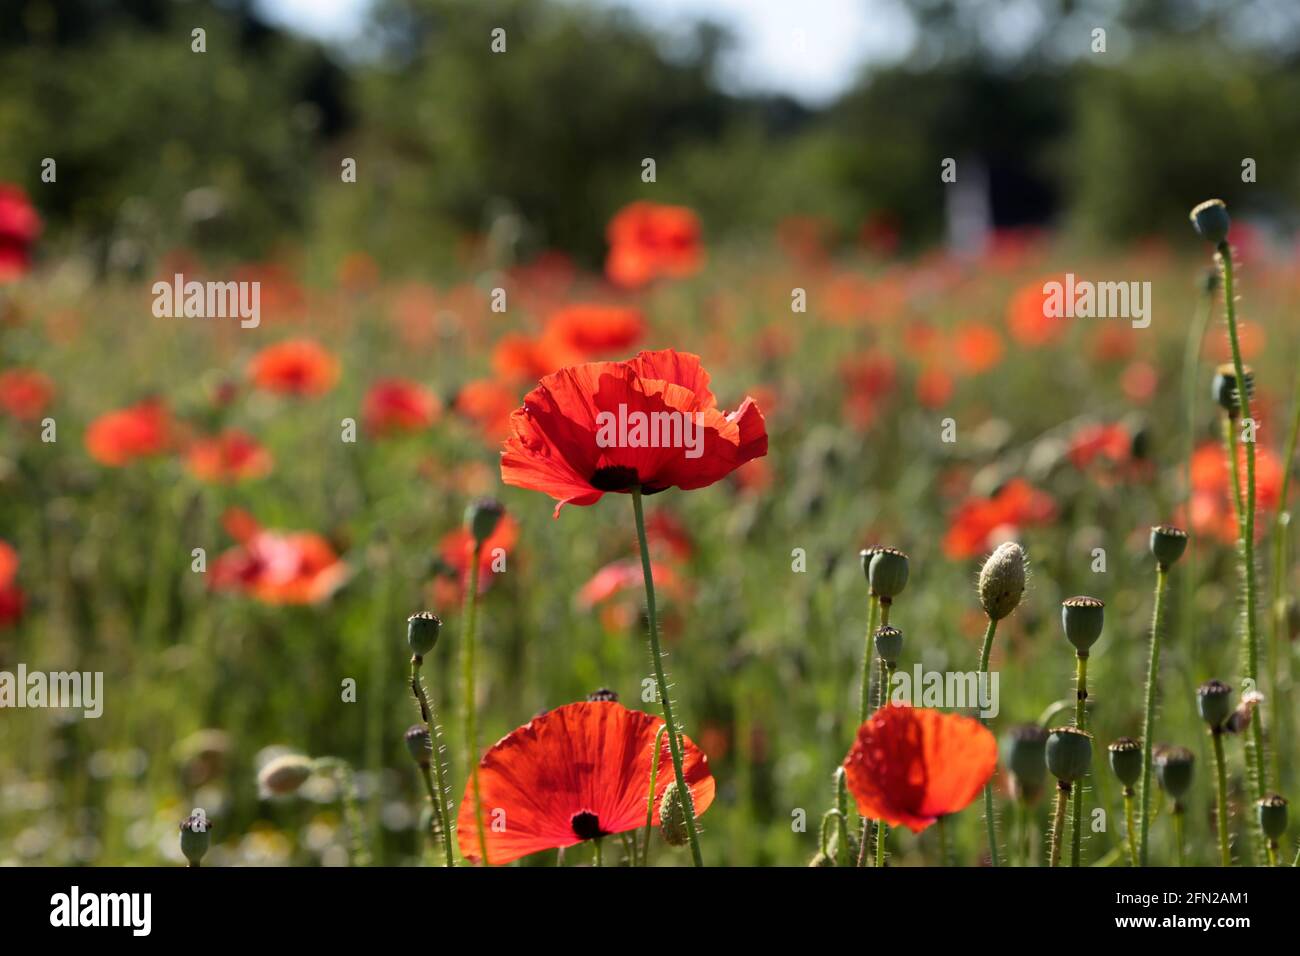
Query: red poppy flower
x=11 y=595
x=579 y=772
x=624 y=577
x=599 y=428
x=1028 y=320
x=590 y=330
x=456 y=551
x=648 y=240
x=868 y=379
x=20 y=225
x=277 y=567
x=231 y=456
x=395 y=405
x=978 y=347
x=933 y=386
x=909 y=766
x=24 y=393
x=118 y=438
x=294 y=367
x=489 y=404
x=976 y=521
x=1090 y=442
x=1212 y=512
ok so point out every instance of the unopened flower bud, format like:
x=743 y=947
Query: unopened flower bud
x=1239 y=719
x=482 y=517
x=1082 y=617
x=889 y=644
x=1212 y=221
x=1002 y=581
x=1214 y=702
x=419 y=745
x=1069 y=753
x=887 y=573
x=672 y=816
x=422 y=632
x=283 y=775
x=1126 y=760
x=1167 y=544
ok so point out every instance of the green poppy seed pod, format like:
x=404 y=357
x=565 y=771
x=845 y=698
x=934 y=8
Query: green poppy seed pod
x=603 y=695
x=1068 y=753
x=1223 y=387
x=196 y=836
x=1082 y=617
x=1174 y=767
x=672 y=816
x=419 y=744
x=889 y=644
x=1126 y=760
x=887 y=572
x=1002 y=580
x=482 y=517
x=422 y=632
x=1168 y=544
x=1214 y=702
x=1024 y=750
x=283 y=775
x=865 y=556
x=1272 y=815
x=1212 y=221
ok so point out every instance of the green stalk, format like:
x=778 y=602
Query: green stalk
x=1191 y=362
x=1080 y=719
x=1128 y=822
x=470 y=702
x=864 y=697
x=943 y=842
x=441 y=809
x=650 y=797
x=656 y=658
x=842 y=805
x=1178 y=832
x=341 y=770
x=1281 y=527
x=1149 y=713
x=1221 y=774
x=989 y=822
x=1058 y=822
x=882 y=831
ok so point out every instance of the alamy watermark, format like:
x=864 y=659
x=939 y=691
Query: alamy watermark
x=71 y=690
x=209 y=300
x=947 y=689
x=1084 y=299
x=638 y=429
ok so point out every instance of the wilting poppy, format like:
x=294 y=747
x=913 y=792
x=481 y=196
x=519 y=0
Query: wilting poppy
x=576 y=773
x=909 y=766
x=395 y=405
x=1016 y=505
x=231 y=456
x=24 y=393
x=456 y=556
x=119 y=437
x=648 y=240
x=11 y=595
x=612 y=426
x=277 y=567
x=294 y=367
x=20 y=225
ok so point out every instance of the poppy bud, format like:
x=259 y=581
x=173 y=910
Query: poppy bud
x=1211 y=220
x=889 y=644
x=1069 y=753
x=419 y=745
x=1024 y=750
x=1272 y=815
x=1239 y=719
x=833 y=846
x=604 y=694
x=482 y=517
x=1214 y=702
x=1174 y=770
x=283 y=775
x=422 y=632
x=672 y=816
x=822 y=859
x=1002 y=580
x=195 y=836
x=1168 y=544
x=1126 y=760
x=887 y=572
x=1223 y=387
x=1082 y=617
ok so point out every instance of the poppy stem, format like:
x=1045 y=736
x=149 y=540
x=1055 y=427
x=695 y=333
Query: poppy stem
x=864 y=702
x=650 y=797
x=1058 y=823
x=470 y=703
x=989 y=822
x=1080 y=721
x=842 y=824
x=600 y=856
x=1129 y=821
x=656 y=659
x=882 y=830
x=1255 y=761
x=1178 y=831
x=441 y=810
x=1149 y=712
x=341 y=771
x=943 y=841
x=1221 y=776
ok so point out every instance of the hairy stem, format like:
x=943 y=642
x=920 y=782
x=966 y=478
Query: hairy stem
x=441 y=809
x=1129 y=819
x=470 y=702
x=1080 y=720
x=1149 y=712
x=1058 y=822
x=650 y=797
x=1221 y=778
x=990 y=823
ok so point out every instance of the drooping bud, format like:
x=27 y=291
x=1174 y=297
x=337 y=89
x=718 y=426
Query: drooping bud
x=1214 y=702
x=833 y=846
x=889 y=644
x=1126 y=760
x=1212 y=221
x=482 y=517
x=1174 y=767
x=419 y=744
x=887 y=573
x=1082 y=617
x=1069 y=753
x=1272 y=815
x=422 y=631
x=195 y=838
x=1025 y=752
x=604 y=694
x=1223 y=387
x=672 y=816
x=1002 y=580
x=283 y=775
x=1167 y=544
x=1239 y=719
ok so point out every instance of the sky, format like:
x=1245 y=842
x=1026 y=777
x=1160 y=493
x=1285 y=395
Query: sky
x=809 y=49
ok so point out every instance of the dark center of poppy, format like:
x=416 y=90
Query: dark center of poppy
x=586 y=825
x=614 y=478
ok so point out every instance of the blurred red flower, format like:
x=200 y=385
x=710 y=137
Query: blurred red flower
x=24 y=393
x=648 y=240
x=590 y=330
x=394 y=405
x=933 y=386
x=231 y=456
x=11 y=595
x=558 y=442
x=978 y=347
x=20 y=225
x=1090 y=442
x=909 y=766
x=142 y=430
x=277 y=567
x=489 y=404
x=1027 y=317
x=294 y=367
x=1016 y=505
x=456 y=554
x=579 y=772
x=1212 y=512
x=868 y=379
